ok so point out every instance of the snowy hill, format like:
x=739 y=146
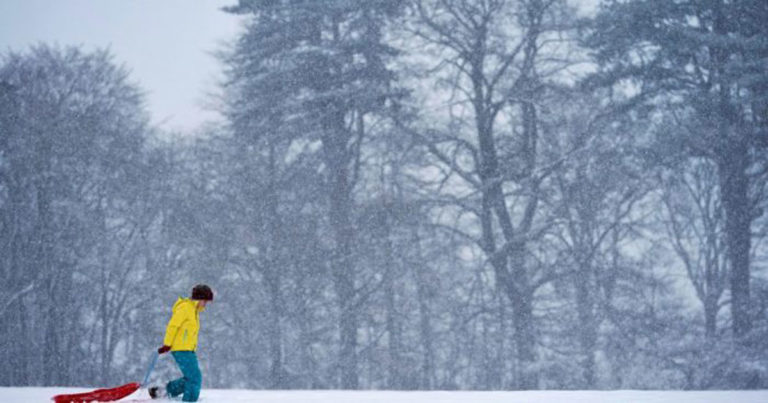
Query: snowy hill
x=32 y=395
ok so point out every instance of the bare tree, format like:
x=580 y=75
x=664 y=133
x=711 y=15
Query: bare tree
x=495 y=58
x=77 y=131
x=694 y=222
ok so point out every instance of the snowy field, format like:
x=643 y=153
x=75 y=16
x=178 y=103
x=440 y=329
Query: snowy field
x=32 y=395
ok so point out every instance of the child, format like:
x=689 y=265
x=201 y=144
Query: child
x=181 y=341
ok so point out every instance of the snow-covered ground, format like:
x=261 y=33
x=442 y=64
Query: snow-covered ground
x=32 y=395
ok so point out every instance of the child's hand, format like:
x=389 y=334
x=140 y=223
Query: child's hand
x=163 y=349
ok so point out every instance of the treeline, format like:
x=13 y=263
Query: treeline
x=404 y=194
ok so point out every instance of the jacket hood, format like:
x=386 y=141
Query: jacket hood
x=183 y=301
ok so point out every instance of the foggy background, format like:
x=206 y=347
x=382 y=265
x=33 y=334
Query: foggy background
x=387 y=194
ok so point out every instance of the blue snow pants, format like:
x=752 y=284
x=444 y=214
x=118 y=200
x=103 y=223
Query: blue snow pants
x=190 y=383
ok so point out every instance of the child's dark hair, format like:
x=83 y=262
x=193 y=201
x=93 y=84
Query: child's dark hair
x=202 y=292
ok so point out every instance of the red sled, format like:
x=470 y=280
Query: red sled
x=99 y=395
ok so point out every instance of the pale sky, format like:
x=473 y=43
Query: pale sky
x=166 y=44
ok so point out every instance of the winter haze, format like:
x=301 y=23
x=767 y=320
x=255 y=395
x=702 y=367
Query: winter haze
x=167 y=45
x=453 y=197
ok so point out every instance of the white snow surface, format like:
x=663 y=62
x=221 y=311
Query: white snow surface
x=32 y=395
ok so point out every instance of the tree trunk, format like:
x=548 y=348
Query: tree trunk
x=273 y=276
x=521 y=296
x=104 y=337
x=335 y=139
x=587 y=326
x=276 y=379
x=18 y=274
x=710 y=317
x=24 y=373
x=45 y=253
x=394 y=331
x=734 y=195
x=733 y=153
x=509 y=265
x=305 y=340
x=427 y=371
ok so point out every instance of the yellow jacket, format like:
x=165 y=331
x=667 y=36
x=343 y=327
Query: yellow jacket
x=181 y=333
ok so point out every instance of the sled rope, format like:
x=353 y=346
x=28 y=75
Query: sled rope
x=151 y=367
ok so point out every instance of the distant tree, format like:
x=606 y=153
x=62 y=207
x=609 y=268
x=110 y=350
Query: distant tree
x=703 y=58
x=493 y=61
x=70 y=145
x=597 y=192
x=324 y=63
x=694 y=222
x=391 y=215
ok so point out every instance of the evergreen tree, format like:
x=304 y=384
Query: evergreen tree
x=321 y=68
x=703 y=58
